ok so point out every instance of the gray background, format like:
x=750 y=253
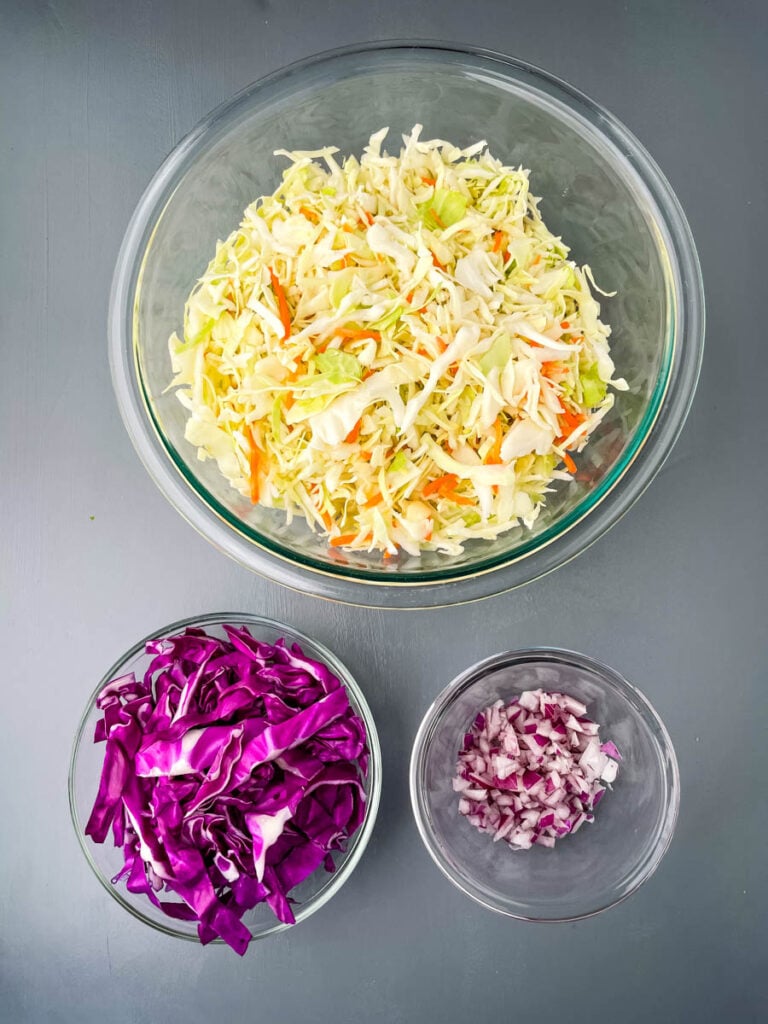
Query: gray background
x=93 y=97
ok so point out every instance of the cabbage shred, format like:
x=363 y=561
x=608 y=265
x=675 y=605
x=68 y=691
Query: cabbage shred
x=395 y=348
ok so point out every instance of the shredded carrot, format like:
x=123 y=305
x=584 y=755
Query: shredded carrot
x=499 y=240
x=458 y=498
x=287 y=400
x=409 y=297
x=537 y=259
x=564 y=325
x=428 y=179
x=570 y=465
x=368 y=217
x=439 y=484
x=505 y=255
x=436 y=215
x=550 y=368
x=309 y=214
x=346 y=226
x=326 y=517
x=343 y=540
x=437 y=263
x=349 y=333
x=354 y=433
x=375 y=500
x=493 y=458
x=368 y=373
x=282 y=304
x=366 y=456
x=254 y=461
x=569 y=421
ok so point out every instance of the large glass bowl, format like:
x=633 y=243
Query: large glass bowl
x=106 y=860
x=604 y=862
x=601 y=192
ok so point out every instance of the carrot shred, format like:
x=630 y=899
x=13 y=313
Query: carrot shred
x=326 y=517
x=282 y=304
x=436 y=215
x=309 y=214
x=569 y=463
x=440 y=483
x=438 y=264
x=368 y=373
x=428 y=179
x=564 y=324
x=287 y=400
x=569 y=421
x=342 y=540
x=349 y=333
x=372 y=502
x=442 y=345
x=499 y=241
x=368 y=217
x=354 y=433
x=493 y=458
x=409 y=297
x=458 y=498
x=254 y=461
x=554 y=366
x=536 y=259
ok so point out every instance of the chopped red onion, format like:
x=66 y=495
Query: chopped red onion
x=533 y=771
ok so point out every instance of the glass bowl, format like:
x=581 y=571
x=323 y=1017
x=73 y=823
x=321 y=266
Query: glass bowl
x=600 y=190
x=106 y=860
x=605 y=861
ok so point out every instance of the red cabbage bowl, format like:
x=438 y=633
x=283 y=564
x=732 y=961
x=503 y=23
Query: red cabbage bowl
x=107 y=860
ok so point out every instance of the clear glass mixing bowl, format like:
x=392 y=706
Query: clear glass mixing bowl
x=604 y=862
x=106 y=860
x=601 y=192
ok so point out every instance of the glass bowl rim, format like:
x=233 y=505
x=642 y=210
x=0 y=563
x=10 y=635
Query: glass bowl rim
x=595 y=513
x=358 y=842
x=607 y=676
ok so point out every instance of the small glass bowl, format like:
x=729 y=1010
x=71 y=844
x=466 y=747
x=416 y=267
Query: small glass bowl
x=106 y=860
x=583 y=874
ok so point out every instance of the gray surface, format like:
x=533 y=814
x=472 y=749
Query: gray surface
x=94 y=95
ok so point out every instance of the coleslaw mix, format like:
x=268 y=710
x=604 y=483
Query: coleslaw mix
x=395 y=348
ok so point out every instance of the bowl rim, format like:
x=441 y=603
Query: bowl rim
x=357 y=843
x=595 y=513
x=607 y=675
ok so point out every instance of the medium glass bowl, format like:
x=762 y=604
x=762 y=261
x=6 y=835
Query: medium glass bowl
x=601 y=191
x=106 y=860
x=605 y=861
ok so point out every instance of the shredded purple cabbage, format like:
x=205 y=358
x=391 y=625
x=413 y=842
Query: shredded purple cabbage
x=231 y=773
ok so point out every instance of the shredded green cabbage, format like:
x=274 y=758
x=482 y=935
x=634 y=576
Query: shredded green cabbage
x=395 y=348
